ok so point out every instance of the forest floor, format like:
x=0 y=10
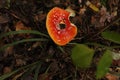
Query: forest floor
x=44 y=60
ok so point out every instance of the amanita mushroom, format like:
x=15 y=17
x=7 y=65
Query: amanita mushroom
x=59 y=27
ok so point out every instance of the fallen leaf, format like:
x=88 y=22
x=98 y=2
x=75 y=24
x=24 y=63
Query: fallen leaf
x=116 y=55
x=39 y=17
x=93 y=20
x=20 y=62
x=20 y=26
x=7 y=70
x=80 y=1
x=44 y=76
x=82 y=10
x=3 y=19
x=34 y=46
x=111 y=77
x=106 y=16
x=116 y=62
x=92 y=6
x=8 y=51
x=112 y=4
x=56 y=1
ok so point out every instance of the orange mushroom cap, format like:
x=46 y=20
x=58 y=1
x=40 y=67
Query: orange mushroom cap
x=58 y=16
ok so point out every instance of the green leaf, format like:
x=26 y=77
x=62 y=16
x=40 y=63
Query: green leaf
x=112 y=36
x=28 y=72
x=37 y=72
x=104 y=64
x=61 y=49
x=22 y=41
x=103 y=2
x=8 y=75
x=82 y=55
x=22 y=32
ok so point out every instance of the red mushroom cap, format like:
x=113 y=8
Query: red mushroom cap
x=55 y=18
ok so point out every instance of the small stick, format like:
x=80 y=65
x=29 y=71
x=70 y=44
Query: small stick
x=105 y=28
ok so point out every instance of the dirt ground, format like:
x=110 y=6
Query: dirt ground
x=55 y=62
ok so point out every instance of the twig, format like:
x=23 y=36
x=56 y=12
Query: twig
x=105 y=28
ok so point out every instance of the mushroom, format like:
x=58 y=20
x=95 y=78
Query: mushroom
x=59 y=27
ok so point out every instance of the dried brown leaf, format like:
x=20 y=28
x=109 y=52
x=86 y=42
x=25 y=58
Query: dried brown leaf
x=82 y=11
x=34 y=46
x=7 y=70
x=8 y=51
x=3 y=19
x=20 y=62
x=56 y=1
x=20 y=26
x=40 y=17
x=111 y=77
x=44 y=77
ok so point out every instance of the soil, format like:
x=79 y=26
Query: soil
x=56 y=63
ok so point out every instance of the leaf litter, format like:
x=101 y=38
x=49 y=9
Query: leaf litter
x=31 y=15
